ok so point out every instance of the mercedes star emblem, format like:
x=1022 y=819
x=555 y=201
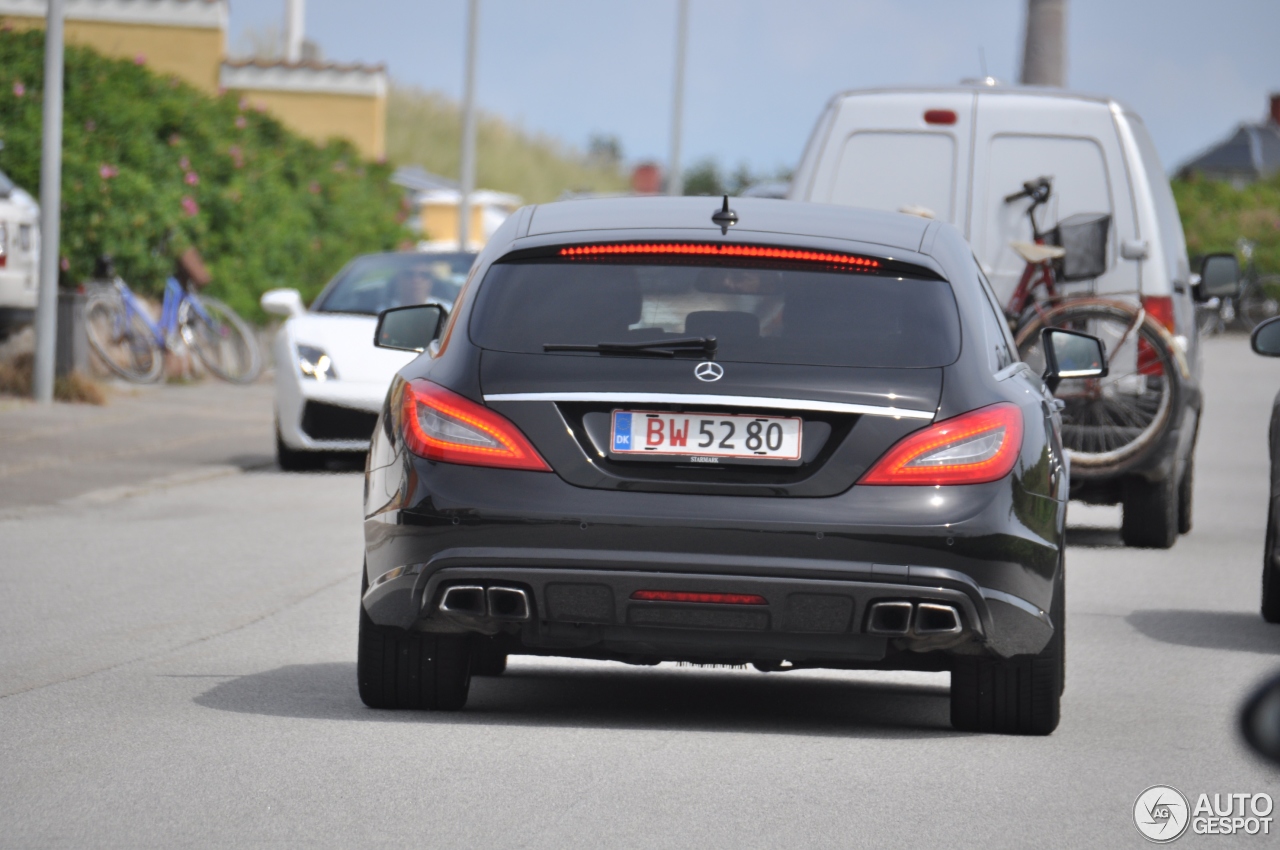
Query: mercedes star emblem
x=708 y=371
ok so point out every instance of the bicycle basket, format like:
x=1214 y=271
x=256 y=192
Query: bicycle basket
x=1084 y=237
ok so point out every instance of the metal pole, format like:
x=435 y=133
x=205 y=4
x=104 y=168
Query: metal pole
x=50 y=208
x=294 y=29
x=1044 y=50
x=468 y=165
x=675 y=180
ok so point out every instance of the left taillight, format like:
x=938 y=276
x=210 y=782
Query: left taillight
x=972 y=448
x=444 y=426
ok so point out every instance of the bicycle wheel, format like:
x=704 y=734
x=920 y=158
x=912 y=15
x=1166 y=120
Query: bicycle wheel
x=122 y=339
x=1111 y=423
x=223 y=341
x=1259 y=301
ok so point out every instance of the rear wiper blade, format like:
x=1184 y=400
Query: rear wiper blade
x=658 y=347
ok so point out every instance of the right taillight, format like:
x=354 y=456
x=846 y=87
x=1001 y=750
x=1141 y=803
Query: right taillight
x=1160 y=308
x=972 y=448
x=444 y=426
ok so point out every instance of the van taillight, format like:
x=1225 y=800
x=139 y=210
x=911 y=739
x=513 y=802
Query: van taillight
x=1160 y=308
x=940 y=116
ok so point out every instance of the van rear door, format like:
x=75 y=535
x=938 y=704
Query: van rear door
x=898 y=151
x=1021 y=137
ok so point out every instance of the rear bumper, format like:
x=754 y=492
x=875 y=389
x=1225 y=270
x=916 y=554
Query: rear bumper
x=819 y=564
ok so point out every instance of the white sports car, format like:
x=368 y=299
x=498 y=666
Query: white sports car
x=330 y=380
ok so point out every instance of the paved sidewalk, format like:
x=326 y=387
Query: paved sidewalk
x=49 y=454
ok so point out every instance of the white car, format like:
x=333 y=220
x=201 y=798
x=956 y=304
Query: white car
x=19 y=252
x=330 y=380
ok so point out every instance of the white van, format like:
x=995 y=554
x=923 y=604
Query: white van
x=956 y=154
x=19 y=252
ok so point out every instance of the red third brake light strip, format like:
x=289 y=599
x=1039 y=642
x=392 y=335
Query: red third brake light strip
x=688 y=596
x=712 y=250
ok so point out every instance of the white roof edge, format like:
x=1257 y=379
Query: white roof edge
x=1025 y=91
x=197 y=14
x=479 y=196
x=359 y=81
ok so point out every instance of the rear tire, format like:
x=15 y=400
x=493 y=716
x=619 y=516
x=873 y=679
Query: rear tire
x=292 y=460
x=1271 y=567
x=486 y=659
x=1150 y=513
x=1185 y=487
x=1014 y=696
x=400 y=669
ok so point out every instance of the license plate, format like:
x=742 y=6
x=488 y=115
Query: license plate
x=705 y=437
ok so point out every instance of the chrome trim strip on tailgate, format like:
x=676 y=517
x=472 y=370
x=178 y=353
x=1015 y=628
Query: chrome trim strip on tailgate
x=720 y=400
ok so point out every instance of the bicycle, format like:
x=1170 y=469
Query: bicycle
x=1259 y=297
x=1111 y=423
x=121 y=332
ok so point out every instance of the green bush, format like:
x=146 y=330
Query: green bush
x=1215 y=214
x=151 y=167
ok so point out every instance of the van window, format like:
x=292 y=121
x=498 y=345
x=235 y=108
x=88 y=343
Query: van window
x=893 y=170
x=1080 y=185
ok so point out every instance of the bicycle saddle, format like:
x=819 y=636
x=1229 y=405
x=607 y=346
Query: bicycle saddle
x=1033 y=253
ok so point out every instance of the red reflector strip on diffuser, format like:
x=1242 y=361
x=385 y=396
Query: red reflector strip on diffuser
x=712 y=250
x=687 y=596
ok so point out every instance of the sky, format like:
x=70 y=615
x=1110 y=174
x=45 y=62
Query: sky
x=760 y=71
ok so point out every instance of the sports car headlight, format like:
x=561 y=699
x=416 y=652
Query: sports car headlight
x=315 y=364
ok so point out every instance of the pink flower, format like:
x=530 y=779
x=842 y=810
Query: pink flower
x=241 y=123
x=174 y=140
x=192 y=178
x=140 y=59
x=64 y=264
x=314 y=188
x=244 y=104
x=18 y=88
x=189 y=206
x=106 y=172
x=184 y=164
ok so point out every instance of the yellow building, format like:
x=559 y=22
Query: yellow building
x=320 y=100
x=186 y=38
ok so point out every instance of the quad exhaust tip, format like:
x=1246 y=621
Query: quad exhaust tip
x=474 y=601
x=902 y=618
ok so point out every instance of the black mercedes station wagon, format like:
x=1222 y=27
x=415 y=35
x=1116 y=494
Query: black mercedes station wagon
x=654 y=429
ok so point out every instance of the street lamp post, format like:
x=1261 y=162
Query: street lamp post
x=675 y=181
x=467 y=178
x=50 y=208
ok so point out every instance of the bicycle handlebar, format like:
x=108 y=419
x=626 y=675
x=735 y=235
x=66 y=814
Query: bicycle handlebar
x=1037 y=190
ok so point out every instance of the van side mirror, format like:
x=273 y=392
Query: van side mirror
x=1219 y=277
x=282 y=302
x=1266 y=338
x=410 y=328
x=1071 y=354
x=1260 y=721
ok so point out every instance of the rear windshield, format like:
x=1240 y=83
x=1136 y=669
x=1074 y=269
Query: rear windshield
x=758 y=315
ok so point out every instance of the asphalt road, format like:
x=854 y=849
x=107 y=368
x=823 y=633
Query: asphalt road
x=177 y=668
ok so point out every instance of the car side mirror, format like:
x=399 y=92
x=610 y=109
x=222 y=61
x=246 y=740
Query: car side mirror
x=1260 y=721
x=1266 y=338
x=1071 y=354
x=1219 y=277
x=410 y=328
x=283 y=302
